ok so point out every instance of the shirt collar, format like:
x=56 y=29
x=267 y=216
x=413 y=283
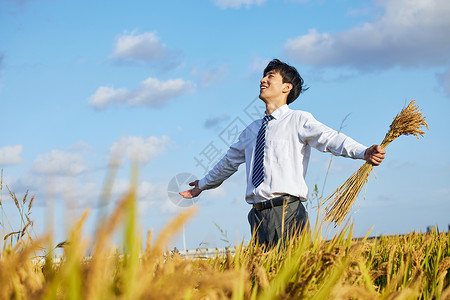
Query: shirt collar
x=280 y=111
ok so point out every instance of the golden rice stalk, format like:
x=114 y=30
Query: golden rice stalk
x=408 y=122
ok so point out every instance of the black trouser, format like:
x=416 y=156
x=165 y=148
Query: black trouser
x=268 y=222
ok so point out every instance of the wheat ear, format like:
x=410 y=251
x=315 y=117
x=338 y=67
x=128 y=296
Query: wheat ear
x=408 y=122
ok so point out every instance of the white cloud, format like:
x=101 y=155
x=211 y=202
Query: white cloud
x=138 y=148
x=148 y=195
x=64 y=175
x=144 y=48
x=105 y=96
x=79 y=192
x=58 y=162
x=152 y=193
x=58 y=175
x=151 y=92
x=409 y=33
x=223 y=4
x=10 y=155
x=75 y=190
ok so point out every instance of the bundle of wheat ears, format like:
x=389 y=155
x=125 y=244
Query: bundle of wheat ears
x=408 y=122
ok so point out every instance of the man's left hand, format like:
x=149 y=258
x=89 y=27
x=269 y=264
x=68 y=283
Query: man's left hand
x=192 y=192
x=374 y=155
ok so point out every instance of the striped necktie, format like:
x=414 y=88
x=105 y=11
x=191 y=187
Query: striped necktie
x=258 y=161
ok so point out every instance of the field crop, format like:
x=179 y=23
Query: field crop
x=306 y=266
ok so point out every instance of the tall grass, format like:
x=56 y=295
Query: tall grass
x=306 y=266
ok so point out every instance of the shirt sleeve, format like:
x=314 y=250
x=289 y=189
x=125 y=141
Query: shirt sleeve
x=226 y=167
x=325 y=139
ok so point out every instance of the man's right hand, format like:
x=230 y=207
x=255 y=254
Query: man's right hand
x=374 y=155
x=192 y=192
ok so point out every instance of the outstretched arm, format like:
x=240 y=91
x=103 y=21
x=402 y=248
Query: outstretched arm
x=192 y=192
x=374 y=155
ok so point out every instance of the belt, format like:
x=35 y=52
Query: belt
x=275 y=202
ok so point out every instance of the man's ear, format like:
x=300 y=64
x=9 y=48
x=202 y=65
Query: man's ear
x=287 y=87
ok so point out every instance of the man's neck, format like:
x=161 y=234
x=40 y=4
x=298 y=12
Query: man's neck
x=273 y=106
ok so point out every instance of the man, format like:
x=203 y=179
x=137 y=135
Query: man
x=276 y=151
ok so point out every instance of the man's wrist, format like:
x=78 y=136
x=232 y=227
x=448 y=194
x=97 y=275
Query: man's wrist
x=366 y=156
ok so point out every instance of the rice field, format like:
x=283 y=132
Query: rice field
x=307 y=266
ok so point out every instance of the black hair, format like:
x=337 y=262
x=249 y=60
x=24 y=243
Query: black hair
x=289 y=75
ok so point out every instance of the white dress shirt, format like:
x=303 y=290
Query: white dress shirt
x=289 y=138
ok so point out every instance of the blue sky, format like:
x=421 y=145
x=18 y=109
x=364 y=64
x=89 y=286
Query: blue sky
x=169 y=83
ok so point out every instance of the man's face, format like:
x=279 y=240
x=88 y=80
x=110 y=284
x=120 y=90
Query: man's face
x=272 y=86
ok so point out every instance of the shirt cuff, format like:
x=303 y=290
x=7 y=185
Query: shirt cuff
x=361 y=152
x=202 y=184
